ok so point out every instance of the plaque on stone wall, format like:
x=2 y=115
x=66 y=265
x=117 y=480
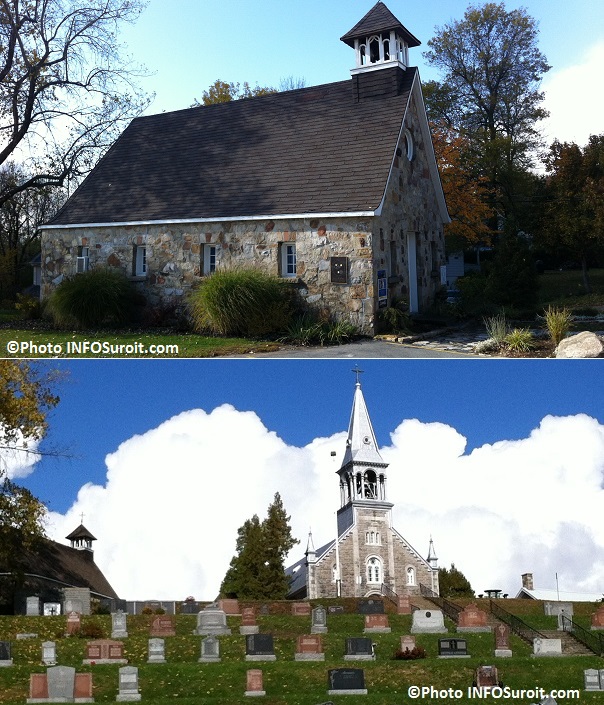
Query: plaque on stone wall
x=339 y=270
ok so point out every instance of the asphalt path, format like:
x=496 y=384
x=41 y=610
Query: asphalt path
x=360 y=349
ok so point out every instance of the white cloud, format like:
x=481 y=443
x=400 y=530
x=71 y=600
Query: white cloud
x=573 y=99
x=18 y=459
x=167 y=518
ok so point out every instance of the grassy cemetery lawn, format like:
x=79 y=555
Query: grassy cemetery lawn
x=184 y=681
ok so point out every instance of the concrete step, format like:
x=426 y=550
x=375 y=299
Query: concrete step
x=570 y=645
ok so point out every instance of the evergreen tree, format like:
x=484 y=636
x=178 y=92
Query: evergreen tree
x=453 y=583
x=257 y=571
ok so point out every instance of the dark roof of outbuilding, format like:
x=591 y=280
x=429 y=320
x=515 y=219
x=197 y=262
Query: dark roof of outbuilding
x=378 y=19
x=66 y=566
x=297 y=571
x=312 y=150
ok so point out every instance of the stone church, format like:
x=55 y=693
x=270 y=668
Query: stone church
x=334 y=188
x=369 y=557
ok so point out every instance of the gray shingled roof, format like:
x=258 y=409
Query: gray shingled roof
x=313 y=150
x=378 y=19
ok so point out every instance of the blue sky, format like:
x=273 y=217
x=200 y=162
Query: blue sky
x=188 y=44
x=502 y=461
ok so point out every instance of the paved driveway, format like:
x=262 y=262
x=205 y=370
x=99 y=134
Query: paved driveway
x=365 y=349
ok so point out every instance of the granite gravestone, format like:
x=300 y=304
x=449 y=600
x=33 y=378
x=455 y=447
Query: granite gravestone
x=5 y=654
x=547 y=647
x=49 y=653
x=309 y=648
x=453 y=648
x=51 y=609
x=118 y=625
x=486 y=676
x=407 y=643
x=157 y=651
x=376 y=623
x=210 y=650
x=301 y=609
x=265 y=610
x=128 y=685
x=403 y=605
x=472 y=619
x=259 y=647
x=359 y=649
x=248 y=621
x=346 y=681
x=597 y=619
x=104 y=651
x=370 y=607
x=189 y=606
x=591 y=678
x=253 y=683
x=428 y=622
x=73 y=606
x=73 y=623
x=60 y=684
x=318 y=621
x=230 y=606
x=212 y=621
x=162 y=626
x=32 y=606
x=336 y=609
x=502 y=641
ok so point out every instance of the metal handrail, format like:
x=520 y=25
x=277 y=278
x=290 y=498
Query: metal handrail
x=389 y=593
x=522 y=629
x=449 y=608
x=593 y=641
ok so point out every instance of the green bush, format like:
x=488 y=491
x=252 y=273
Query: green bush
x=472 y=288
x=557 y=322
x=99 y=297
x=394 y=319
x=244 y=302
x=308 y=330
x=520 y=340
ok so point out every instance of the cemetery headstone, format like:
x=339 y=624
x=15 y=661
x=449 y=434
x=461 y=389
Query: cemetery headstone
x=453 y=648
x=428 y=622
x=128 y=685
x=61 y=682
x=162 y=625
x=210 y=650
x=547 y=647
x=473 y=619
x=318 y=621
x=49 y=653
x=104 y=651
x=336 y=609
x=118 y=625
x=248 y=621
x=32 y=606
x=38 y=688
x=51 y=609
x=82 y=689
x=212 y=621
x=592 y=679
x=259 y=647
x=301 y=609
x=265 y=610
x=309 y=648
x=230 y=607
x=346 y=681
x=253 y=683
x=486 y=676
x=359 y=649
x=403 y=605
x=73 y=606
x=77 y=600
x=502 y=641
x=407 y=643
x=27 y=635
x=157 y=651
x=74 y=623
x=370 y=607
x=597 y=618
x=5 y=654
x=376 y=623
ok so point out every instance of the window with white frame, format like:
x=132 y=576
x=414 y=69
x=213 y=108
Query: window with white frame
x=208 y=259
x=373 y=537
x=140 y=261
x=288 y=259
x=83 y=260
x=374 y=570
x=410 y=575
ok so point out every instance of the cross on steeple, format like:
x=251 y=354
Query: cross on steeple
x=358 y=373
x=82 y=518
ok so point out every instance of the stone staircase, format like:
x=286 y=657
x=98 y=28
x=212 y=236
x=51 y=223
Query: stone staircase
x=570 y=645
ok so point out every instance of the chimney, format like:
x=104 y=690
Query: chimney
x=527 y=581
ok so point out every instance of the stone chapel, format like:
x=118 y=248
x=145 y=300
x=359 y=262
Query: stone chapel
x=369 y=557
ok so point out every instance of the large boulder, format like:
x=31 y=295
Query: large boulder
x=584 y=344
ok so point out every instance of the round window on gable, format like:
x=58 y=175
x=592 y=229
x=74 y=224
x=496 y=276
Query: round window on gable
x=408 y=143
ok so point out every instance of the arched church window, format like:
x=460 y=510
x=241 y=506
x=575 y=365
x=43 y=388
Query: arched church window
x=374 y=570
x=386 y=50
x=410 y=575
x=374 y=50
x=359 y=485
x=408 y=141
x=363 y=54
x=370 y=485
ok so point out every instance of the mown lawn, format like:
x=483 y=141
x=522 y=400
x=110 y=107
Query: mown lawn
x=566 y=289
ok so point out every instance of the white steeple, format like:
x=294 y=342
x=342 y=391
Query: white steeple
x=432 y=559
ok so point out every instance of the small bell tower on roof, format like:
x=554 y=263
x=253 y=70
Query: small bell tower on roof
x=380 y=41
x=81 y=538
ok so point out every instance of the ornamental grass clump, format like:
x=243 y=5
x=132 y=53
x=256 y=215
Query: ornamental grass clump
x=245 y=302
x=520 y=340
x=497 y=328
x=99 y=297
x=557 y=322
